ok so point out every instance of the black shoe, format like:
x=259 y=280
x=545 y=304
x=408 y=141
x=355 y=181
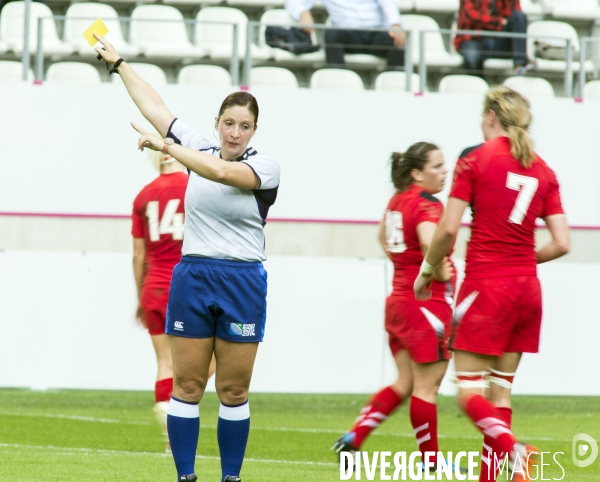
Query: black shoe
x=344 y=444
x=232 y=478
x=188 y=478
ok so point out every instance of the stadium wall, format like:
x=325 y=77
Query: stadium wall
x=66 y=291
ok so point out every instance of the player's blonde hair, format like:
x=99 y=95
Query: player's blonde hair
x=158 y=159
x=512 y=111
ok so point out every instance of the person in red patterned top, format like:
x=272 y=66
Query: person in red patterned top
x=497 y=16
x=499 y=307
x=418 y=330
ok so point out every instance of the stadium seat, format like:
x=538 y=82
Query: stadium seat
x=533 y=10
x=531 y=86
x=591 y=90
x=12 y=23
x=3 y=47
x=463 y=84
x=90 y=12
x=405 y=5
x=204 y=75
x=256 y=3
x=437 y=6
x=272 y=77
x=11 y=71
x=151 y=73
x=396 y=82
x=361 y=60
x=72 y=73
x=436 y=54
x=336 y=79
x=217 y=40
x=281 y=18
x=576 y=9
x=161 y=39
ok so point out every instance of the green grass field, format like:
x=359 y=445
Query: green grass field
x=76 y=435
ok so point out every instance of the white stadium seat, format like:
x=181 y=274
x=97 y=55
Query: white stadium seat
x=336 y=79
x=11 y=71
x=463 y=84
x=591 y=90
x=255 y=3
x=531 y=86
x=72 y=73
x=217 y=39
x=151 y=73
x=405 y=5
x=437 y=6
x=533 y=10
x=12 y=22
x=272 y=77
x=161 y=39
x=396 y=82
x=576 y=9
x=3 y=47
x=91 y=11
x=436 y=54
x=204 y=75
x=281 y=18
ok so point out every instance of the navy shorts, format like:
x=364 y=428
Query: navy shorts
x=218 y=298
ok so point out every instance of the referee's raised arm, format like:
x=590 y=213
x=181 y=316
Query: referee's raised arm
x=145 y=97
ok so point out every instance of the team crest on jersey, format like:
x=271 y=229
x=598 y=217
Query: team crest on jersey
x=178 y=325
x=241 y=329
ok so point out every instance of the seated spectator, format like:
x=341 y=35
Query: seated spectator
x=354 y=15
x=496 y=16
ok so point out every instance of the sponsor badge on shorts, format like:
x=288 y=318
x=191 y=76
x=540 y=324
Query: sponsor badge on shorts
x=241 y=329
x=178 y=325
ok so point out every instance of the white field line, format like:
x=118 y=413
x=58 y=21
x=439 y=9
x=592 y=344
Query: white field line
x=75 y=450
x=269 y=429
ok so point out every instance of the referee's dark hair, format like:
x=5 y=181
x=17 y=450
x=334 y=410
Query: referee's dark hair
x=416 y=157
x=512 y=111
x=243 y=99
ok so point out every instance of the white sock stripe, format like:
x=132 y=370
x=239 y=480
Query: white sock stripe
x=235 y=414
x=378 y=415
x=369 y=422
x=488 y=422
x=504 y=374
x=422 y=427
x=183 y=410
x=501 y=382
x=487 y=447
x=424 y=438
x=485 y=460
x=497 y=430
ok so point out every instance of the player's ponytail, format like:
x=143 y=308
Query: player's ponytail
x=403 y=164
x=512 y=111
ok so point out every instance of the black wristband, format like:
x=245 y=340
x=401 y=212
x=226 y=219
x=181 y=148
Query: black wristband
x=115 y=67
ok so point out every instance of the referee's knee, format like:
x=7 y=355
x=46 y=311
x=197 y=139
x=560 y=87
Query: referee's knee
x=232 y=393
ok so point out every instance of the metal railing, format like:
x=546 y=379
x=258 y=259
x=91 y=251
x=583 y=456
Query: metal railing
x=583 y=49
x=234 y=63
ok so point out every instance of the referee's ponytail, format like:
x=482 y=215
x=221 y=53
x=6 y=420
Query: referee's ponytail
x=512 y=111
x=403 y=164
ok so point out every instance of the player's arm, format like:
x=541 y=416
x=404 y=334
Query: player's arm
x=139 y=261
x=145 y=97
x=561 y=242
x=381 y=236
x=425 y=231
x=236 y=174
x=441 y=244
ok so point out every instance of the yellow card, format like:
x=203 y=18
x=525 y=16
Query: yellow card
x=99 y=28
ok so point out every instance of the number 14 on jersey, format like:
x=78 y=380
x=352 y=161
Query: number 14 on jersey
x=171 y=222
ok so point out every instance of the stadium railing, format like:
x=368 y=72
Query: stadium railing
x=586 y=44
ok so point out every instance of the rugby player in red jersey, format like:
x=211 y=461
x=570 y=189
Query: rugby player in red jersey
x=418 y=330
x=499 y=306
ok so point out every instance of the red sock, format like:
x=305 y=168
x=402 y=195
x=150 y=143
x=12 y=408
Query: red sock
x=489 y=422
x=423 y=416
x=163 y=389
x=376 y=411
x=487 y=453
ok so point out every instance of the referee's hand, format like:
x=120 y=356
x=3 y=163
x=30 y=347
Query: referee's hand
x=148 y=139
x=108 y=53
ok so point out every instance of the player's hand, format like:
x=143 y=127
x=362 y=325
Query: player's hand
x=422 y=286
x=148 y=139
x=445 y=271
x=139 y=315
x=398 y=36
x=109 y=53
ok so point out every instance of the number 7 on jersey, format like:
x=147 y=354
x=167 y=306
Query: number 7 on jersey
x=527 y=186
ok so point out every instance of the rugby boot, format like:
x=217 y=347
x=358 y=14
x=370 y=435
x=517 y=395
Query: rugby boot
x=523 y=462
x=232 y=478
x=344 y=444
x=188 y=478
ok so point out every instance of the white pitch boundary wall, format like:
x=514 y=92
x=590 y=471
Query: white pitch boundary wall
x=67 y=317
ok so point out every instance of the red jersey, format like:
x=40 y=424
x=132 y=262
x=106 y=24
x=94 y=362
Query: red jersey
x=506 y=200
x=404 y=213
x=158 y=212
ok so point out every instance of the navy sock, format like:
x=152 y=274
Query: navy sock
x=183 y=426
x=232 y=433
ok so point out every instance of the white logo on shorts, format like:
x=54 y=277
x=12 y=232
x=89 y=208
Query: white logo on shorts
x=179 y=325
x=242 y=329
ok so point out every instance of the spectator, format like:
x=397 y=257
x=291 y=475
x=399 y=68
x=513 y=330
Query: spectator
x=354 y=15
x=495 y=16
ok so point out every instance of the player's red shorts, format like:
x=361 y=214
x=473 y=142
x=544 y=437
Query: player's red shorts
x=154 y=309
x=498 y=315
x=420 y=327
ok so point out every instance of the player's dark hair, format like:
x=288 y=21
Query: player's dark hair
x=243 y=99
x=415 y=157
x=512 y=111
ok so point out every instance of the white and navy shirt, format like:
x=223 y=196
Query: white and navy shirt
x=226 y=222
x=352 y=13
